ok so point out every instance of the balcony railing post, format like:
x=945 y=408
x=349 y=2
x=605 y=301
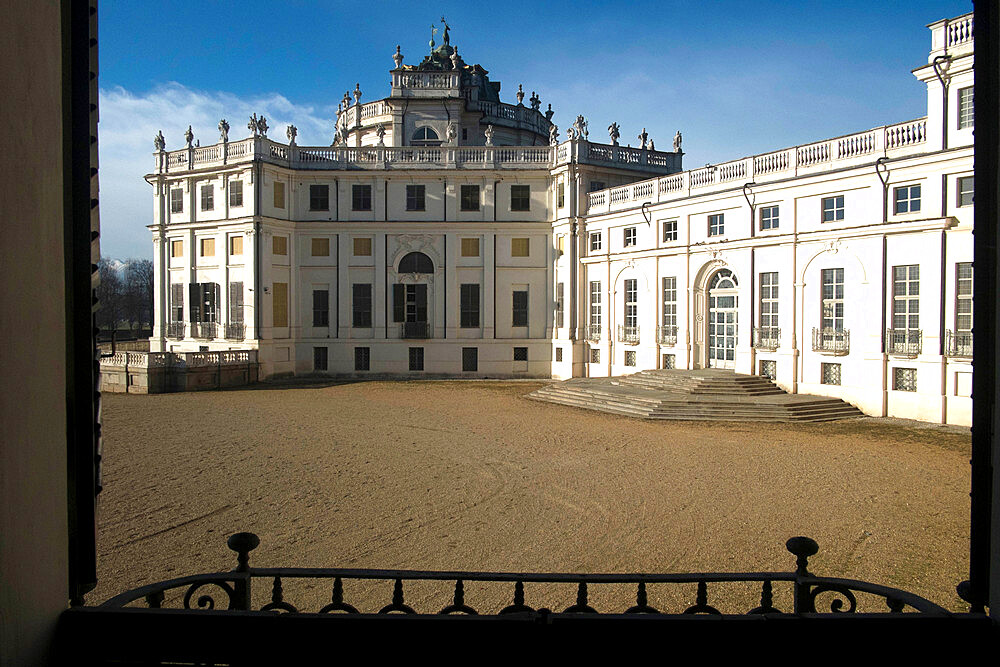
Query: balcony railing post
x=242 y=544
x=802 y=548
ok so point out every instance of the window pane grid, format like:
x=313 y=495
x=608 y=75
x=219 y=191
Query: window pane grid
x=716 y=224
x=769 y=217
x=907 y=199
x=833 y=208
x=966 y=108
x=670 y=230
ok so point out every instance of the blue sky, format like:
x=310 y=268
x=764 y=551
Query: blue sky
x=737 y=78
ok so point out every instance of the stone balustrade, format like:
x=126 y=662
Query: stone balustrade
x=855 y=149
x=159 y=372
x=412 y=157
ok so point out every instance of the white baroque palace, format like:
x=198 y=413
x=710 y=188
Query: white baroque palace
x=445 y=232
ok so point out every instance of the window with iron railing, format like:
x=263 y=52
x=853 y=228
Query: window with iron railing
x=766 y=338
x=831 y=341
x=627 y=334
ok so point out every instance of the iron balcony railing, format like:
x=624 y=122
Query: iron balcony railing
x=802 y=591
x=831 y=341
x=766 y=338
x=175 y=330
x=666 y=334
x=204 y=330
x=592 y=332
x=628 y=335
x=904 y=342
x=415 y=330
x=236 y=331
x=958 y=343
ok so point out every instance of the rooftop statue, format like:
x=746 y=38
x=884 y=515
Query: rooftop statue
x=357 y=93
x=189 y=136
x=520 y=94
x=397 y=58
x=223 y=130
x=451 y=133
x=535 y=101
x=553 y=135
x=291 y=132
x=489 y=135
x=380 y=133
x=614 y=131
x=447 y=41
x=643 y=139
x=159 y=143
x=252 y=125
x=677 y=142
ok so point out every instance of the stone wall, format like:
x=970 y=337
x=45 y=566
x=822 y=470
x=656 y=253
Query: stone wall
x=163 y=372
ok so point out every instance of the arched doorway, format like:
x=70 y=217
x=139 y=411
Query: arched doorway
x=722 y=319
x=409 y=298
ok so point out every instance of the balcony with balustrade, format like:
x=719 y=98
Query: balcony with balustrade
x=204 y=330
x=175 y=330
x=766 y=338
x=958 y=344
x=593 y=332
x=235 y=330
x=628 y=335
x=831 y=341
x=666 y=334
x=904 y=342
x=415 y=330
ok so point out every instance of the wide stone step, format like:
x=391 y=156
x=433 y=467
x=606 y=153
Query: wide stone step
x=694 y=395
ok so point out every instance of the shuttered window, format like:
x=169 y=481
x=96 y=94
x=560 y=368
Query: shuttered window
x=280 y=305
x=469 y=307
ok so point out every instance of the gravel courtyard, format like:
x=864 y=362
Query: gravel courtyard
x=472 y=476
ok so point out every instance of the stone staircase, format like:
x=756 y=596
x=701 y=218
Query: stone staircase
x=710 y=394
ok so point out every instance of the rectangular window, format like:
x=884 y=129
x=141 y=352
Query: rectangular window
x=361 y=199
x=717 y=224
x=280 y=305
x=631 y=305
x=630 y=357
x=207 y=197
x=362 y=358
x=362 y=246
x=595 y=241
x=416 y=358
x=906 y=298
x=833 y=300
x=362 y=305
x=320 y=247
x=833 y=208
x=470 y=197
x=561 y=195
x=321 y=308
x=629 y=237
x=319 y=197
x=907 y=199
x=204 y=302
x=768 y=369
x=177 y=302
x=596 y=185
x=235 y=194
x=279 y=194
x=469 y=305
x=279 y=245
x=904 y=379
x=207 y=248
x=595 y=303
x=519 y=308
x=409 y=304
x=520 y=197
x=236 y=303
x=669 y=230
x=560 y=302
x=963 y=297
x=520 y=354
x=320 y=358
x=830 y=373
x=560 y=245
x=595 y=355
x=235 y=245
x=768 y=217
x=559 y=354
x=177 y=248
x=966 y=108
x=176 y=200
x=669 y=361
x=470 y=359
x=415 y=200
x=966 y=191
x=768 y=308
x=519 y=247
x=670 y=304
x=470 y=247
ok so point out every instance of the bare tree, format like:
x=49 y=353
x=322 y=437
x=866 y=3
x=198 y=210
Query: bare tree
x=139 y=292
x=109 y=294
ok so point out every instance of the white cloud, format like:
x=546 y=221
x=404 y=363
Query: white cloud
x=128 y=123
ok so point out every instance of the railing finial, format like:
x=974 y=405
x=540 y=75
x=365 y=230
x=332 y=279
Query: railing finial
x=243 y=544
x=802 y=548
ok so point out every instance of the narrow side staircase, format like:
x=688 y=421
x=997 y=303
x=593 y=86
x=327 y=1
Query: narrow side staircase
x=710 y=394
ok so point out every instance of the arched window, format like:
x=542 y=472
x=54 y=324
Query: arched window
x=416 y=262
x=723 y=279
x=425 y=136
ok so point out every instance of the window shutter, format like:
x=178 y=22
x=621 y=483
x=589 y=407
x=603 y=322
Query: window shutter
x=195 y=291
x=398 y=303
x=421 y=303
x=236 y=303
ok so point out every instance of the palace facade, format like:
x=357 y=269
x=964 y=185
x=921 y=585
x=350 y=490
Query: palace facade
x=447 y=233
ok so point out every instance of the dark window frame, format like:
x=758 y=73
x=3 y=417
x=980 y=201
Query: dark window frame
x=319 y=197
x=520 y=197
x=361 y=197
x=361 y=305
x=416 y=197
